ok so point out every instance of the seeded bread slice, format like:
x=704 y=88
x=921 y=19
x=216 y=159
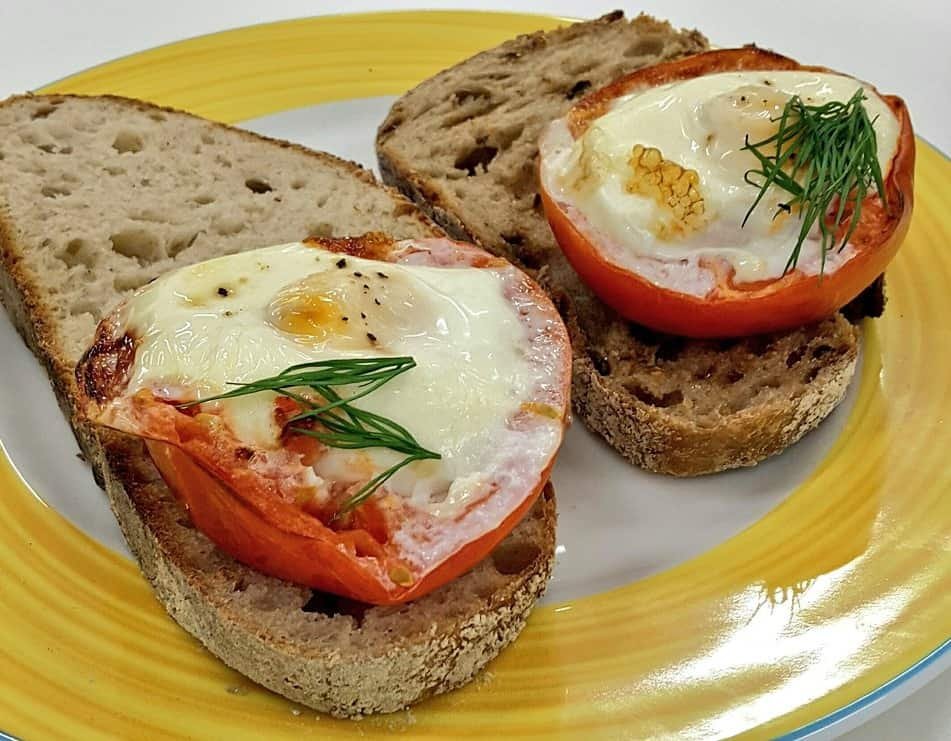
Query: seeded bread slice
x=99 y=195
x=463 y=146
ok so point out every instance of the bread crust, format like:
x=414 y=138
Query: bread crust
x=636 y=411
x=331 y=654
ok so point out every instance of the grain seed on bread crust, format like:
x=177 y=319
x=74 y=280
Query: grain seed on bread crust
x=87 y=215
x=463 y=146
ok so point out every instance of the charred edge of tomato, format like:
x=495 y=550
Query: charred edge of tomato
x=745 y=59
x=104 y=368
x=372 y=245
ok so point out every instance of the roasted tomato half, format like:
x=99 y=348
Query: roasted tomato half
x=397 y=405
x=648 y=185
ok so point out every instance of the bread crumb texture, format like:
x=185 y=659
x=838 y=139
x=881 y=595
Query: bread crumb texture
x=105 y=197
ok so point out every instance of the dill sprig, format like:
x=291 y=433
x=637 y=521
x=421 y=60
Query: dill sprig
x=826 y=157
x=341 y=424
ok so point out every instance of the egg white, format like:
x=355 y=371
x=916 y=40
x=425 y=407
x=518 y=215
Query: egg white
x=225 y=321
x=700 y=124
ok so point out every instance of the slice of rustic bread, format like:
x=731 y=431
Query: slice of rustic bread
x=99 y=195
x=463 y=146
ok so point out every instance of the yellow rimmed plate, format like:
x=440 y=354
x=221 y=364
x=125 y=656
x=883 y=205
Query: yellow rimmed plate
x=832 y=590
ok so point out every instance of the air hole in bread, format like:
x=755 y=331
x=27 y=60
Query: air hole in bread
x=663 y=401
x=531 y=259
x=670 y=348
x=734 y=376
x=297 y=184
x=474 y=92
x=704 y=374
x=577 y=89
x=203 y=199
x=257 y=185
x=323 y=229
x=114 y=170
x=223 y=161
x=478 y=157
x=65 y=150
x=513 y=557
x=76 y=253
x=821 y=351
x=129 y=282
x=642 y=334
x=207 y=138
x=795 y=356
x=2 y=156
x=42 y=111
x=48 y=148
x=158 y=117
x=239 y=586
x=55 y=191
x=147 y=215
x=179 y=244
x=228 y=225
x=514 y=240
x=647 y=46
x=127 y=142
x=759 y=345
x=138 y=244
x=601 y=364
x=811 y=375
x=331 y=605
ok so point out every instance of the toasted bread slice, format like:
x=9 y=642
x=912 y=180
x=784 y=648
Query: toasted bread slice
x=99 y=195
x=463 y=146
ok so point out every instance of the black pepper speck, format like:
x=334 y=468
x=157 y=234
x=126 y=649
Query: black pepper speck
x=222 y=291
x=341 y=263
x=371 y=336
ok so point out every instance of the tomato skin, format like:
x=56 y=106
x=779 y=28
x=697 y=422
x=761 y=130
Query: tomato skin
x=735 y=310
x=328 y=562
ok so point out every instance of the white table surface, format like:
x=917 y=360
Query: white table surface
x=903 y=48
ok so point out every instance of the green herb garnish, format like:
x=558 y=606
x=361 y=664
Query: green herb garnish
x=340 y=424
x=826 y=157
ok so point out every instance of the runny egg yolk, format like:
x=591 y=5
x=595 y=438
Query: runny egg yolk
x=350 y=309
x=672 y=187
